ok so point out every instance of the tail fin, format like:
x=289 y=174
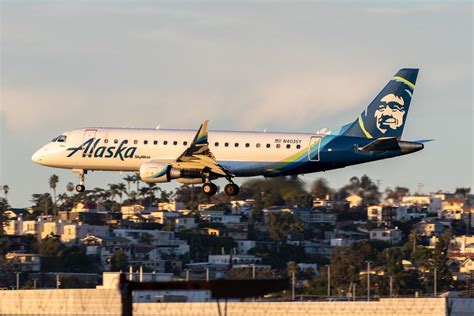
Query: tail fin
x=386 y=114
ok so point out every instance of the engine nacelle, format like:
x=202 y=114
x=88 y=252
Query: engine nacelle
x=158 y=172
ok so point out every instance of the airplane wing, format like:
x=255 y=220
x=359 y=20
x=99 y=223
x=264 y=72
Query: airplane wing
x=198 y=156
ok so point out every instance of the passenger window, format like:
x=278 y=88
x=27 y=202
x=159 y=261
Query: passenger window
x=298 y=146
x=288 y=146
x=175 y=143
x=236 y=144
x=268 y=145
x=61 y=139
x=155 y=142
x=247 y=145
x=165 y=142
x=216 y=144
x=115 y=141
x=185 y=143
x=125 y=141
x=106 y=141
x=278 y=145
x=258 y=145
x=226 y=144
x=135 y=141
x=145 y=142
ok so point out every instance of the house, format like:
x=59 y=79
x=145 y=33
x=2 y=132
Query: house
x=381 y=213
x=220 y=217
x=15 y=213
x=235 y=258
x=416 y=200
x=452 y=208
x=341 y=242
x=235 y=234
x=407 y=213
x=105 y=246
x=26 y=262
x=164 y=217
x=171 y=206
x=72 y=232
x=315 y=216
x=467 y=266
x=354 y=200
x=390 y=235
x=185 y=222
x=278 y=209
x=462 y=247
x=429 y=228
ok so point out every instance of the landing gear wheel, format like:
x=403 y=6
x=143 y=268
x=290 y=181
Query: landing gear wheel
x=80 y=188
x=231 y=189
x=209 y=188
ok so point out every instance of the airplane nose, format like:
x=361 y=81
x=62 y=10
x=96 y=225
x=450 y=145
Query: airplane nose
x=37 y=156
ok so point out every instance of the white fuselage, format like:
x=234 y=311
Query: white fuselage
x=246 y=153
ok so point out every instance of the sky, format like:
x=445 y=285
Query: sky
x=296 y=67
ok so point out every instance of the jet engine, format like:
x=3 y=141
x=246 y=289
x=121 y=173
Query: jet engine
x=158 y=172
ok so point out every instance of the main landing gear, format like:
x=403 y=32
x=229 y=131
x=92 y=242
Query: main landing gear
x=230 y=189
x=81 y=173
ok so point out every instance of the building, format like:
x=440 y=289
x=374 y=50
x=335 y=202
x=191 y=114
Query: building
x=381 y=213
x=236 y=234
x=407 y=213
x=236 y=259
x=354 y=200
x=315 y=216
x=392 y=236
x=429 y=228
x=26 y=262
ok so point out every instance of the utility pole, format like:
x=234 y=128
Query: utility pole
x=58 y=281
x=293 y=284
x=435 y=286
x=17 y=280
x=329 y=280
x=354 y=292
x=391 y=286
x=368 y=281
x=187 y=275
x=253 y=271
x=207 y=274
x=130 y=273
x=34 y=283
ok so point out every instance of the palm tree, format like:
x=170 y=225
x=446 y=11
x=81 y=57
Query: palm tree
x=5 y=189
x=137 y=179
x=53 y=181
x=114 y=191
x=122 y=189
x=129 y=178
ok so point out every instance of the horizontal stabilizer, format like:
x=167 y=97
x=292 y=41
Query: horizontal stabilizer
x=382 y=144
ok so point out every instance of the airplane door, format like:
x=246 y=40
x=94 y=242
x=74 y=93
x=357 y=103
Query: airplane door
x=88 y=134
x=313 y=149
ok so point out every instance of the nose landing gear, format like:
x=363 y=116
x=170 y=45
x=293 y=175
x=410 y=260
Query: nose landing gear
x=81 y=173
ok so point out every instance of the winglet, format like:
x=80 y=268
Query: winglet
x=201 y=135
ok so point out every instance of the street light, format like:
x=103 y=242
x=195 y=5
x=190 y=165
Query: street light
x=329 y=280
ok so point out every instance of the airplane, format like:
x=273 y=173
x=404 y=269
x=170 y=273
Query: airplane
x=200 y=157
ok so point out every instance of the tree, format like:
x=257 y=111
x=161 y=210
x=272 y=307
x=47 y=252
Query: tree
x=129 y=179
x=321 y=189
x=3 y=223
x=118 y=261
x=463 y=191
x=70 y=187
x=53 y=181
x=5 y=189
x=42 y=203
x=50 y=246
x=281 y=224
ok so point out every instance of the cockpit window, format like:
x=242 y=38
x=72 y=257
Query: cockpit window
x=60 y=139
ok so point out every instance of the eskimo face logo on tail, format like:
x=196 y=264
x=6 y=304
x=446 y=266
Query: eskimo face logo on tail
x=90 y=148
x=390 y=113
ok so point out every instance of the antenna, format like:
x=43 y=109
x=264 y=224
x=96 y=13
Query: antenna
x=158 y=127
